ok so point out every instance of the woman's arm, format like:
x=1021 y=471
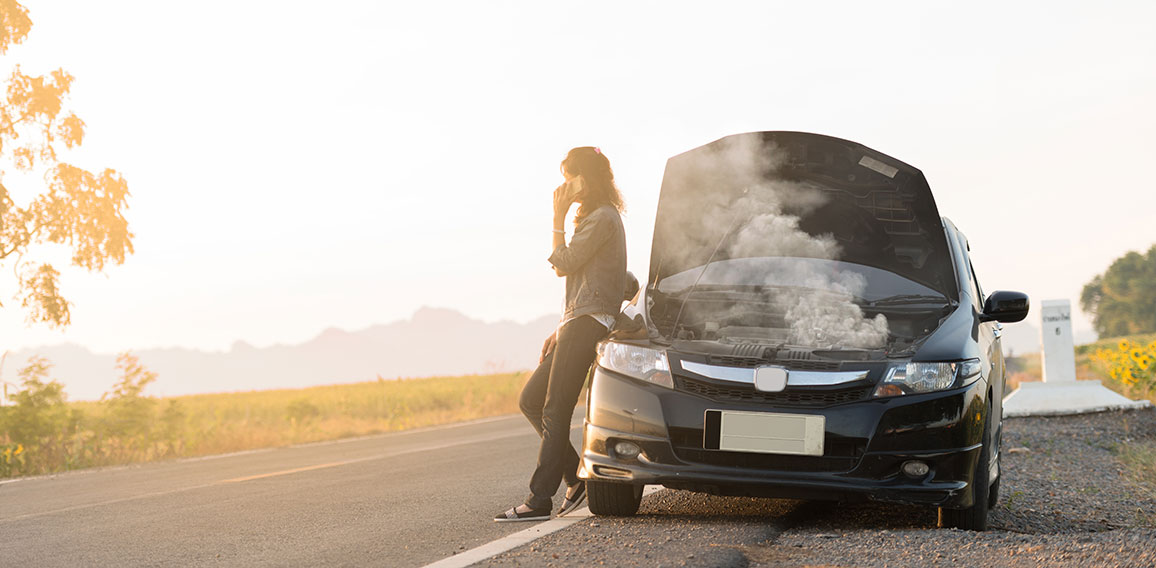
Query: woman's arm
x=591 y=234
x=559 y=231
x=564 y=196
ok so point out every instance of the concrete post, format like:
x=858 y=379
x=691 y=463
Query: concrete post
x=1059 y=356
x=1060 y=393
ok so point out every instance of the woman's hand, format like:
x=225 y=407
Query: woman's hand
x=548 y=346
x=565 y=195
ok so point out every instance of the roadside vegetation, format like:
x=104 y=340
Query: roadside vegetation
x=1126 y=365
x=1140 y=459
x=1122 y=300
x=40 y=432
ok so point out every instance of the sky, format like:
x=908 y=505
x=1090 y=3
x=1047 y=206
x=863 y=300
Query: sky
x=296 y=166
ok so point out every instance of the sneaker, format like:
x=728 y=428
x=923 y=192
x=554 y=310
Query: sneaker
x=513 y=515
x=575 y=495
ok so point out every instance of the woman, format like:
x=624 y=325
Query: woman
x=594 y=264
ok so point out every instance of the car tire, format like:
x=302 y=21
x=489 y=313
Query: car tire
x=613 y=499
x=993 y=495
x=974 y=518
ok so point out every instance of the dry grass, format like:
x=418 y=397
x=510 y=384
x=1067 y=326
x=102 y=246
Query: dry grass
x=198 y=425
x=217 y=423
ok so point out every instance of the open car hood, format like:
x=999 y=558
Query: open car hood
x=795 y=194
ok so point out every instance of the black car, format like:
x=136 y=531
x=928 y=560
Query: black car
x=811 y=328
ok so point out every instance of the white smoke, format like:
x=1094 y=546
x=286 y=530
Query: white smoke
x=819 y=304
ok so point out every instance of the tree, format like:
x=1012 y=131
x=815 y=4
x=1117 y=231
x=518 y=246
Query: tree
x=130 y=414
x=77 y=209
x=39 y=414
x=1122 y=300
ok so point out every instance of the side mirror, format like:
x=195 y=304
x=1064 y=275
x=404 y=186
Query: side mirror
x=1005 y=306
x=631 y=286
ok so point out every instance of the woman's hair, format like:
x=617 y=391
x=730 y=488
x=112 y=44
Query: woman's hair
x=590 y=163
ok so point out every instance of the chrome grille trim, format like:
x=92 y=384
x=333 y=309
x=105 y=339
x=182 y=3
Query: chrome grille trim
x=794 y=378
x=733 y=374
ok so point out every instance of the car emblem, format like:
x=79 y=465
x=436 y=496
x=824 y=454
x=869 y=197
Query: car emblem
x=770 y=379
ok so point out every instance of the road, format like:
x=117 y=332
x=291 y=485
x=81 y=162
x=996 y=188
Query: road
x=412 y=498
x=399 y=499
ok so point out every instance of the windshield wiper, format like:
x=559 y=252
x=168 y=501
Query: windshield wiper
x=904 y=299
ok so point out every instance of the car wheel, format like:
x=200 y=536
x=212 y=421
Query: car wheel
x=613 y=499
x=993 y=495
x=974 y=518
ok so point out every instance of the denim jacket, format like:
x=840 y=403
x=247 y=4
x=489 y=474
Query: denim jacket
x=594 y=264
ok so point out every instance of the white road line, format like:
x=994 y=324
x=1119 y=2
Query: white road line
x=491 y=549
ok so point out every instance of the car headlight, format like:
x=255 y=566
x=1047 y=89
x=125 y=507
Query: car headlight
x=640 y=363
x=916 y=378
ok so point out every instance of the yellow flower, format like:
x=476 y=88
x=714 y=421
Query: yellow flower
x=1114 y=372
x=1136 y=354
x=19 y=449
x=1124 y=345
x=1144 y=362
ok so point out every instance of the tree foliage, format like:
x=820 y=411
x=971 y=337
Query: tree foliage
x=39 y=414
x=1122 y=300
x=130 y=413
x=76 y=208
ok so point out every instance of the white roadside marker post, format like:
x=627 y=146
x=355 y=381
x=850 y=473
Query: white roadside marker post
x=1059 y=355
x=1060 y=393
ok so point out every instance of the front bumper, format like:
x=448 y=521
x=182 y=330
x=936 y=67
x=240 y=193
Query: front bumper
x=866 y=443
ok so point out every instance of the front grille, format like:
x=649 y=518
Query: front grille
x=746 y=393
x=838 y=455
x=777 y=462
x=812 y=365
x=742 y=362
x=790 y=364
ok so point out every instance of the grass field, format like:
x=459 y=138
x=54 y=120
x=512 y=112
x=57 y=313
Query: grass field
x=197 y=425
x=87 y=434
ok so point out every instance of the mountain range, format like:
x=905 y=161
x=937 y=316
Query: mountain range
x=433 y=342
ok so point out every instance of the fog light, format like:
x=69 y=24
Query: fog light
x=627 y=450
x=915 y=468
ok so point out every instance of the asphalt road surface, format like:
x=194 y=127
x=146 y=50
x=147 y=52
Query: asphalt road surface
x=412 y=498
x=401 y=499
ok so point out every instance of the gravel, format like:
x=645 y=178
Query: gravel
x=1066 y=500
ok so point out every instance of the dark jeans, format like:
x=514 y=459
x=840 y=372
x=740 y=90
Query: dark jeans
x=548 y=401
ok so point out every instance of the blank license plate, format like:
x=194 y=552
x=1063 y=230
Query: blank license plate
x=764 y=432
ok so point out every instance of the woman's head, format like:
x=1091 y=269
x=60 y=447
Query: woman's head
x=598 y=179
